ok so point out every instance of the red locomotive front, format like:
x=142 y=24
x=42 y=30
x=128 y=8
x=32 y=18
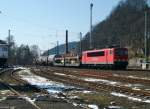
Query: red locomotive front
x=121 y=57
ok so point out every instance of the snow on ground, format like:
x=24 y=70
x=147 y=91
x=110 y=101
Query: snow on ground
x=90 y=79
x=101 y=80
x=61 y=74
x=130 y=97
x=55 y=87
x=93 y=106
x=86 y=91
x=28 y=99
x=133 y=86
x=2 y=98
x=43 y=83
x=51 y=87
x=21 y=68
x=113 y=107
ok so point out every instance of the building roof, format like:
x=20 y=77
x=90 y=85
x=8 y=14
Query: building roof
x=2 y=42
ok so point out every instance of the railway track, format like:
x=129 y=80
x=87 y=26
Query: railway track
x=10 y=74
x=94 y=86
x=110 y=76
x=104 y=74
x=49 y=101
x=138 y=72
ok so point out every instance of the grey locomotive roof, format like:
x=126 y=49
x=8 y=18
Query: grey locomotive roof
x=2 y=42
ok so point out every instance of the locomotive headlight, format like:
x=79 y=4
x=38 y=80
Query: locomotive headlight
x=62 y=61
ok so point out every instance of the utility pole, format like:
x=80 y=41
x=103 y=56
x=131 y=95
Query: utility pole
x=146 y=57
x=57 y=44
x=9 y=37
x=80 y=43
x=57 y=47
x=91 y=7
x=66 y=41
x=9 y=44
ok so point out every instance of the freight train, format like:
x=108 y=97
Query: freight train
x=114 y=58
x=3 y=53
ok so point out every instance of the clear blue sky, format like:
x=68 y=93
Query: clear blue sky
x=36 y=21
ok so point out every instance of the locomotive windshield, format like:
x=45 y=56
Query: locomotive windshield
x=121 y=52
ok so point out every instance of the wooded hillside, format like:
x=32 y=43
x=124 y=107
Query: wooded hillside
x=124 y=26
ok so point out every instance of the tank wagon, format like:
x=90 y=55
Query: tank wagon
x=45 y=60
x=3 y=52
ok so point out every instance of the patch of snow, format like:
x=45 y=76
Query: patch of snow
x=61 y=74
x=29 y=100
x=147 y=101
x=21 y=68
x=6 y=92
x=113 y=107
x=73 y=97
x=75 y=104
x=93 y=106
x=134 y=99
x=130 y=97
x=52 y=91
x=43 y=83
x=25 y=72
x=135 y=88
x=135 y=77
x=2 y=99
x=101 y=80
x=86 y=91
x=118 y=94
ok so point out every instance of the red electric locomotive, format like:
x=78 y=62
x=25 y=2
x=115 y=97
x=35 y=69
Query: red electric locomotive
x=108 y=57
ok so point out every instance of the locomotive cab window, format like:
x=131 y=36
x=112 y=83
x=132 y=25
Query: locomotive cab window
x=96 y=54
